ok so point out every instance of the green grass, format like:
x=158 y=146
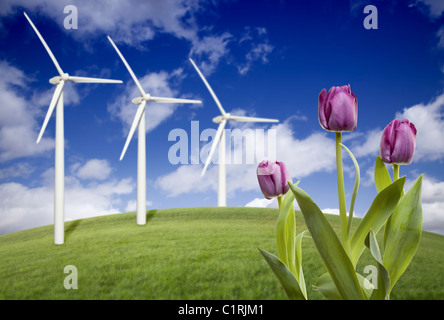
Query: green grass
x=189 y=253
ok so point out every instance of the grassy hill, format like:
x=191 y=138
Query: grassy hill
x=188 y=253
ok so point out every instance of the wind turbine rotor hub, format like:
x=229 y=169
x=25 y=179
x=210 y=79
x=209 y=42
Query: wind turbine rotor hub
x=147 y=97
x=65 y=77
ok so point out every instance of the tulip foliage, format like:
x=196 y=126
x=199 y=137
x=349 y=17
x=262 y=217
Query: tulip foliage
x=394 y=214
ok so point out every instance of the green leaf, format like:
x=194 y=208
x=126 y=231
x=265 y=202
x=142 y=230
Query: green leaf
x=382 y=176
x=378 y=213
x=355 y=189
x=281 y=229
x=290 y=229
x=403 y=234
x=366 y=285
x=328 y=289
x=383 y=283
x=283 y=274
x=298 y=261
x=329 y=247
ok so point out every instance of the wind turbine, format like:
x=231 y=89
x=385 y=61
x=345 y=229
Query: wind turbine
x=219 y=138
x=139 y=121
x=57 y=98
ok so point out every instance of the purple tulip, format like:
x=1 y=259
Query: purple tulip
x=398 y=142
x=273 y=177
x=338 y=109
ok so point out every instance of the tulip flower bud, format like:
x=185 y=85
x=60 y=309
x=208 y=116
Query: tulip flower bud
x=273 y=177
x=398 y=142
x=338 y=109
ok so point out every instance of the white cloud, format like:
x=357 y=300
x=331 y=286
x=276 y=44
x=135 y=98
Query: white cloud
x=186 y=179
x=370 y=146
x=263 y=203
x=303 y=157
x=132 y=205
x=19 y=169
x=429 y=122
x=257 y=45
x=210 y=50
x=18 y=126
x=23 y=207
x=435 y=7
x=135 y=21
x=440 y=35
x=21 y=117
x=432 y=203
x=334 y=211
x=70 y=96
x=125 y=18
x=94 y=169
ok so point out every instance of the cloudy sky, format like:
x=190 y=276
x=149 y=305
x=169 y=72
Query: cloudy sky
x=262 y=58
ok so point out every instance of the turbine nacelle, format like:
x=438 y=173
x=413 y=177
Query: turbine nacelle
x=139 y=100
x=220 y=118
x=57 y=79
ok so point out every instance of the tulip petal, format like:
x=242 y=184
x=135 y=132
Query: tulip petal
x=343 y=114
x=272 y=178
x=405 y=143
x=338 y=109
x=277 y=179
x=398 y=142
x=286 y=176
x=321 y=109
x=328 y=107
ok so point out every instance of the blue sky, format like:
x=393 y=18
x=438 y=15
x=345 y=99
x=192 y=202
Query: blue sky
x=262 y=58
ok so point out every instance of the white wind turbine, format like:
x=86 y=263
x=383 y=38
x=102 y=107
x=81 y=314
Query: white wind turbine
x=139 y=121
x=57 y=98
x=219 y=138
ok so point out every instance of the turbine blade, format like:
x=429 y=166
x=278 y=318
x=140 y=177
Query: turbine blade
x=92 y=80
x=209 y=88
x=251 y=119
x=128 y=67
x=136 y=121
x=173 y=100
x=214 y=145
x=59 y=69
x=54 y=100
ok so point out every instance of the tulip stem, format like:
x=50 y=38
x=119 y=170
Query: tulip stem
x=395 y=172
x=396 y=175
x=280 y=202
x=341 y=191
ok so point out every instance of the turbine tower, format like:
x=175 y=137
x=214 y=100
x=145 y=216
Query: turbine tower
x=57 y=99
x=219 y=138
x=139 y=121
